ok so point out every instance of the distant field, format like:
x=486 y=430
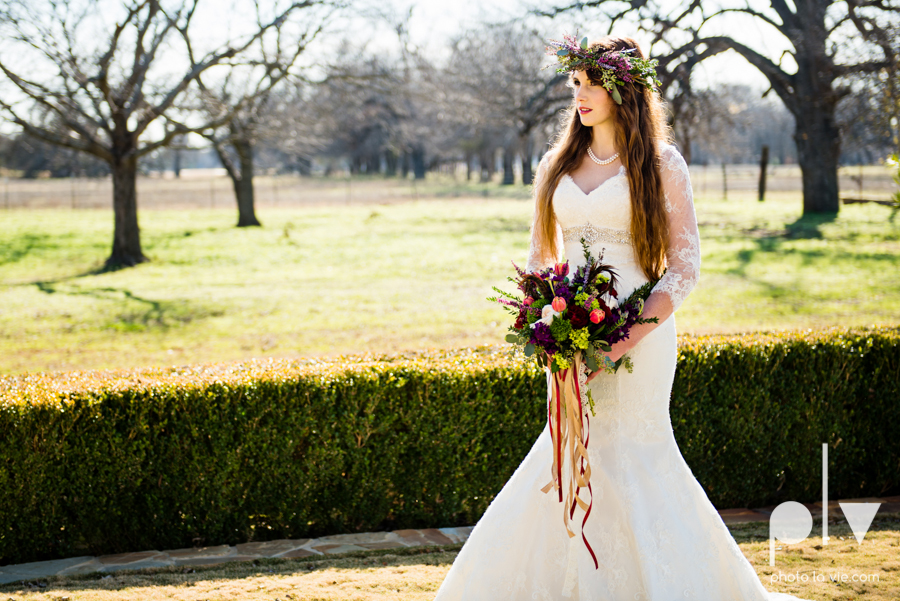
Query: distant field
x=199 y=189
x=386 y=275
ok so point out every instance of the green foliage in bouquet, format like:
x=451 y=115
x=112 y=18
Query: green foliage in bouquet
x=563 y=314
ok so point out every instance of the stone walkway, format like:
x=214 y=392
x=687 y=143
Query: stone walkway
x=328 y=545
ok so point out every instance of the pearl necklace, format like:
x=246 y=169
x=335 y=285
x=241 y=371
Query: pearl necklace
x=603 y=162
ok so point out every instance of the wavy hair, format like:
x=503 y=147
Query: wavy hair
x=641 y=127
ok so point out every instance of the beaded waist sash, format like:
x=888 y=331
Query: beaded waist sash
x=593 y=234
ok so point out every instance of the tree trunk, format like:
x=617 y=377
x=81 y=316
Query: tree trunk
x=404 y=165
x=390 y=163
x=243 y=185
x=813 y=105
x=509 y=156
x=686 y=148
x=126 y=250
x=373 y=164
x=486 y=162
x=527 y=152
x=418 y=160
x=818 y=149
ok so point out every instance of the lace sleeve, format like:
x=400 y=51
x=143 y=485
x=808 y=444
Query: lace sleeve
x=683 y=253
x=536 y=260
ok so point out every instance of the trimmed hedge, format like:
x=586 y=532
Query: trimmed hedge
x=115 y=461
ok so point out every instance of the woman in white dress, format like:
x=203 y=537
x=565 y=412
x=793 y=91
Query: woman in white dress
x=612 y=178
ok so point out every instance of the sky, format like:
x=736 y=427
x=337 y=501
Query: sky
x=435 y=21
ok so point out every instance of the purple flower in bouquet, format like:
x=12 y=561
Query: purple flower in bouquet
x=564 y=291
x=555 y=328
x=543 y=338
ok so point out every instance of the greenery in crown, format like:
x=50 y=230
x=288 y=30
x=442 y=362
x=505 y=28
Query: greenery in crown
x=614 y=67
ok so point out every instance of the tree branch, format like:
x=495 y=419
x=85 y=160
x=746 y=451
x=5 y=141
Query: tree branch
x=56 y=137
x=210 y=61
x=40 y=94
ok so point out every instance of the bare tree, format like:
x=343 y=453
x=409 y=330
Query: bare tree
x=363 y=102
x=107 y=94
x=818 y=31
x=502 y=92
x=246 y=95
x=870 y=115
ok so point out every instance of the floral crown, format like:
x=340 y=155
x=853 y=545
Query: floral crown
x=616 y=67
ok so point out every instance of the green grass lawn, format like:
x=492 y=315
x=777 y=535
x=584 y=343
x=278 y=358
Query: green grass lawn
x=387 y=277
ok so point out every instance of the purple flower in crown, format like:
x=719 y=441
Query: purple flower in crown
x=617 y=67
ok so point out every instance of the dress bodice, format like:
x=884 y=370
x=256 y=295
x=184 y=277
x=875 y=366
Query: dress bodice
x=603 y=218
x=609 y=204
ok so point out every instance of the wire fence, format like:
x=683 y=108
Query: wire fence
x=199 y=189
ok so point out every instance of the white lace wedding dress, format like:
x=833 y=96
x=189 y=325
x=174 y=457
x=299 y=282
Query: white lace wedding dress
x=656 y=535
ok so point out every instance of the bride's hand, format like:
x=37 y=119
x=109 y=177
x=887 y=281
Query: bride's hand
x=614 y=355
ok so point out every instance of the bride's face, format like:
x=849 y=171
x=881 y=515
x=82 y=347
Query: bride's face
x=593 y=102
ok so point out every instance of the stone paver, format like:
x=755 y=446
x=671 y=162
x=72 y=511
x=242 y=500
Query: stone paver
x=125 y=558
x=37 y=569
x=201 y=552
x=742 y=515
x=270 y=548
x=329 y=545
x=457 y=535
x=384 y=545
x=428 y=536
x=212 y=560
x=332 y=549
x=298 y=553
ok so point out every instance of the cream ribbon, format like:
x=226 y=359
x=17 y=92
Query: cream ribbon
x=569 y=430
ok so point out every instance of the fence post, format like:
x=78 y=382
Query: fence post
x=724 y=182
x=763 y=164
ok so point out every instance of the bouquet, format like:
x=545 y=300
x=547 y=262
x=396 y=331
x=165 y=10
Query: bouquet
x=561 y=317
x=564 y=322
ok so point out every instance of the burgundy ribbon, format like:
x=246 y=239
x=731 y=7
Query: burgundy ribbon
x=569 y=433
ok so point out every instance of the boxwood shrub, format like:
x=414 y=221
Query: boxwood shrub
x=157 y=458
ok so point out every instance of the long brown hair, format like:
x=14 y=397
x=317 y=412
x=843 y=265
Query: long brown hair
x=641 y=128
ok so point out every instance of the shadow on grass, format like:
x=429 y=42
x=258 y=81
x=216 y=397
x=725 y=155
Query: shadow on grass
x=149 y=314
x=100 y=270
x=807 y=227
x=21 y=247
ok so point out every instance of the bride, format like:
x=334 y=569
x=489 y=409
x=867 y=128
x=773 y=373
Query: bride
x=612 y=179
